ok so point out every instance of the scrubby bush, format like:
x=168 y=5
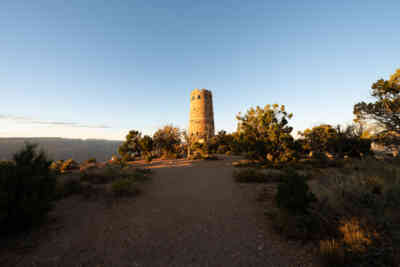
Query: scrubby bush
x=124 y=187
x=90 y=161
x=167 y=140
x=68 y=187
x=6 y=163
x=69 y=165
x=294 y=194
x=127 y=158
x=294 y=214
x=100 y=176
x=358 y=245
x=222 y=149
x=111 y=173
x=266 y=134
x=250 y=176
x=27 y=190
x=210 y=157
x=169 y=155
x=148 y=157
x=385 y=109
x=197 y=154
x=56 y=166
x=144 y=171
x=353 y=213
x=139 y=175
x=338 y=141
x=146 y=144
x=131 y=147
x=246 y=163
x=117 y=162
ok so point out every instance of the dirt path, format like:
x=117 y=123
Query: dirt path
x=189 y=215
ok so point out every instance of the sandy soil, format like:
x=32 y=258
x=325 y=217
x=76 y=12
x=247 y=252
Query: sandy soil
x=190 y=214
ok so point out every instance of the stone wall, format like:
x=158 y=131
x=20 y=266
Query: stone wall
x=201 y=122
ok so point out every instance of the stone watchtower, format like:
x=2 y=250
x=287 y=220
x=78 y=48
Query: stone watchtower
x=201 y=123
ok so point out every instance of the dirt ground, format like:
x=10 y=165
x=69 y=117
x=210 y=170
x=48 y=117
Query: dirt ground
x=191 y=213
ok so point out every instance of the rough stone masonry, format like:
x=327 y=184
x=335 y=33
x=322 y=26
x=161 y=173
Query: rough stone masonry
x=201 y=123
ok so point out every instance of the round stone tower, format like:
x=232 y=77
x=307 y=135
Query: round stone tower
x=201 y=123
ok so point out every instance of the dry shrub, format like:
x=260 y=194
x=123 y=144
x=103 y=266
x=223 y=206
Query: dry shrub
x=355 y=218
x=69 y=165
x=357 y=246
x=68 y=187
x=246 y=163
x=170 y=155
x=27 y=190
x=55 y=166
x=250 y=176
x=124 y=187
x=111 y=173
x=363 y=197
x=357 y=238
x=210 y=157
x=100 y=175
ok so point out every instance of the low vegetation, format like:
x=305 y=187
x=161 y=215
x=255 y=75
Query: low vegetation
x=340 y=196
x=27 y=190
x=63 y=166
x=250 y=176
x=364 y=197
x=124 y=187
x=350 y=213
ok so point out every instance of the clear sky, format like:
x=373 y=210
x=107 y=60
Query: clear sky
x=95 y=69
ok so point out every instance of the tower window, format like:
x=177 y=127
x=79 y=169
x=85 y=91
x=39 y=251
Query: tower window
x=198 y=97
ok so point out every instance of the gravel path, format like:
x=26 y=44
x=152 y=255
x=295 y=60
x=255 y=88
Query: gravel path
x=189 y=215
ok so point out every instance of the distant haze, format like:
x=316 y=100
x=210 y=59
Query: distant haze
x=61 y=148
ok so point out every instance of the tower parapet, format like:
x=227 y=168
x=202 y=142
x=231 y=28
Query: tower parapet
x=201 y=123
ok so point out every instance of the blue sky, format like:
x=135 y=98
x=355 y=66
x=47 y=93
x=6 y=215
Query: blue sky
x=95 y=69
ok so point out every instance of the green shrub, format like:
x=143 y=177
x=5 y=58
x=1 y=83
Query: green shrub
x=210 y=157
x=6 y=163
x=139 y=175
x=357 y=245
x=170 y=155
x=112 y=173
x=294 y=194
x=119 y=162
x=148 y=157
x=90 y=161
x=246 y=163
x=101 y=176
x=250 y=176
x=145 y=171
x=69 y=187
x=295 y=226
x=69 y=165
x=293 y=217
x=222 y=149
x=127 y=158
x=27 y=190
x=56 y=166
x=124 y=187
x=364 y=199
x=197 y=154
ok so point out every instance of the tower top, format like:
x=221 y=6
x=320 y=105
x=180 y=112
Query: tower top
x=200 y=91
